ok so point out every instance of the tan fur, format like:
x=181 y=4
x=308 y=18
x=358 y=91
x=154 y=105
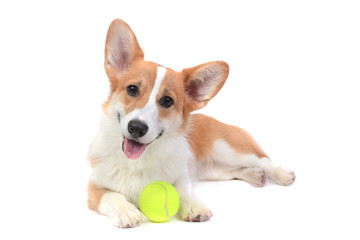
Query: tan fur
x=94 y=196
x=143 y=79
x=222 y=151
x=173 y=86
x=206 y=130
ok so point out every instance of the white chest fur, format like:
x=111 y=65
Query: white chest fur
x=165 y=159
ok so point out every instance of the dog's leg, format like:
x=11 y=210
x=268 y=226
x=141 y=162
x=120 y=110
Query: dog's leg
x=229 y=164
x=225 y=152
x=115 y=206
x=254 y=176
x=190 y=209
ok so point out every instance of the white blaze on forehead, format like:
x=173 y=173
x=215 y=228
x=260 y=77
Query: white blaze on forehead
x=151 y=108
x=149 y=114
x=159 y=78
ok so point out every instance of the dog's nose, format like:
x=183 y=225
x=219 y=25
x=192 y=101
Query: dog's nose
x=137 y=128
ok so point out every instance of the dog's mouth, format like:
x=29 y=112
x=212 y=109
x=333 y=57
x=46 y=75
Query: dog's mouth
x=133 y=149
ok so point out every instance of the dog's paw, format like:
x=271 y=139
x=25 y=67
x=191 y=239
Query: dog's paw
x=283 y=176
x=127 y=216
x=121 y=213
x=256 y=177
x=195 y=212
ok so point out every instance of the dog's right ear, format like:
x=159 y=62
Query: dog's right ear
x=121 y=49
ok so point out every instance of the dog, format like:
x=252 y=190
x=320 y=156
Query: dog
x=148 y=133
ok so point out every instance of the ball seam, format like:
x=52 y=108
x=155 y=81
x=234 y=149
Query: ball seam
x=166 y=199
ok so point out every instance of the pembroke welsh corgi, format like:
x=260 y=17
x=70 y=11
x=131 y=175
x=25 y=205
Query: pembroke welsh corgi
x=147 y=133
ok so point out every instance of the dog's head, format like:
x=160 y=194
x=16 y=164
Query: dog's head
x=150 y=100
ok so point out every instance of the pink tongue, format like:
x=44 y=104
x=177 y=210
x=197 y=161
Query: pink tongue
x=132 y=149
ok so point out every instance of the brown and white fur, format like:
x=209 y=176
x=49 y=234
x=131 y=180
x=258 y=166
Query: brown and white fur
x=148 y=133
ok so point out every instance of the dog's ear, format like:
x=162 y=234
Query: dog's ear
x=203 y=82
x=121 y=49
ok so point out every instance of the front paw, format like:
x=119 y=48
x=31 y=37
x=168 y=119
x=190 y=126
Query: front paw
x=121 y=213
x=126 y=216
x=194 y=212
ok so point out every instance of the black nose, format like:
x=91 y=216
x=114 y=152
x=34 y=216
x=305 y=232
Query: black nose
x=137 y=128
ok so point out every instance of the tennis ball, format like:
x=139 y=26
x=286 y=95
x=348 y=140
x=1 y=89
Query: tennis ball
x=159 y=201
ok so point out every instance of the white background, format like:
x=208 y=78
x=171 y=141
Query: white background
x=293 y=84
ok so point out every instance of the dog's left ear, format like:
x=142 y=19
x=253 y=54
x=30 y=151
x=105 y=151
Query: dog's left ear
x=203 y=82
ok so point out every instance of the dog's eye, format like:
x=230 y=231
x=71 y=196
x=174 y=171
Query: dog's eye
x=166 y=102
x=132 y=90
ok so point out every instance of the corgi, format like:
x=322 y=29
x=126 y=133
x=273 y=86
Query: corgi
x=147 y=133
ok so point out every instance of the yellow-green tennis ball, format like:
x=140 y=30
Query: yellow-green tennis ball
x=159 y=201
